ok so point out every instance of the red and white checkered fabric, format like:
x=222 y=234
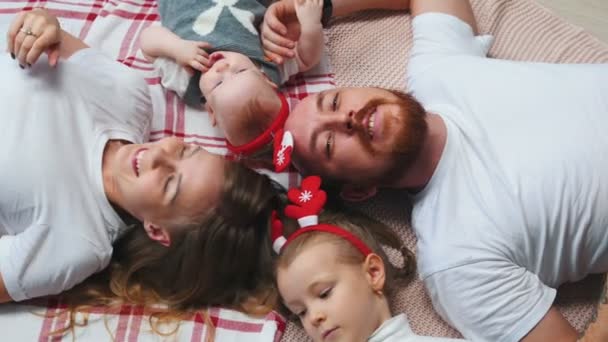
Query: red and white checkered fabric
x=113 y=26
x=131 y=323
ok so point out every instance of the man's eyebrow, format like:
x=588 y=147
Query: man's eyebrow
x=179 y=179
x=315 y=134
x=320 y=99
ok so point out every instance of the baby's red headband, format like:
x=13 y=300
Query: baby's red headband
x=307 y=203
x=266 y=136
x=283 y=141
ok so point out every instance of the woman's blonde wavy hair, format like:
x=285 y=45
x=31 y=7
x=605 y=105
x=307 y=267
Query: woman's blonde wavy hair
x=222 y=259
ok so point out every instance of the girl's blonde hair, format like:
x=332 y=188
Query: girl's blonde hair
x=221 y=259
x=374 y=234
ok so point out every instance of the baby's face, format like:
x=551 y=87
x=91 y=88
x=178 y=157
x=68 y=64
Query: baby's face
x=229 y=85
x=333 y=299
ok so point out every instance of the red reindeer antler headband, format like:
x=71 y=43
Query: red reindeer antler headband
x=308 y=201
x=267 y=135
x=283 y=141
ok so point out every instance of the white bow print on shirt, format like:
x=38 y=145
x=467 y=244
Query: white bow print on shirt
x=206 y=21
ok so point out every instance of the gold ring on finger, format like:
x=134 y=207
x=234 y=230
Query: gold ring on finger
x=28 y=32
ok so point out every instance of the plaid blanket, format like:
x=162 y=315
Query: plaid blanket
x=113 y=26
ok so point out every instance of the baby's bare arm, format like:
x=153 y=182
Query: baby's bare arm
x=158 y=41
x=310 y=44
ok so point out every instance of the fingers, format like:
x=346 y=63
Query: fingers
x=31 y=41
x=200 y=63
x=30 y=34
x=26 y=36
x=203 y=45
x=275 y=44
x=42 y=43
x=53 y=54
x=202 y=59
x=272 y=22
x=198 y=66
x=273 y=57
x=13 y=31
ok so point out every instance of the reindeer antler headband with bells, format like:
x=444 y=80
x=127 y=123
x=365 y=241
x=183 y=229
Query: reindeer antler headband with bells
x=308 y=201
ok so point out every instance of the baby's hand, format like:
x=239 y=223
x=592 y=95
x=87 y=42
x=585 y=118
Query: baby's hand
x=309 y=13
x=192 y=55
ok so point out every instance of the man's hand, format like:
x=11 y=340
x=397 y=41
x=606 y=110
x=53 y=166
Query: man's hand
x=192 y=55
x=280 y=31
x=31 y=33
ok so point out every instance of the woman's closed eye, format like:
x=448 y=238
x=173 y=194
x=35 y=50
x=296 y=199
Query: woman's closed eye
x=217 y=84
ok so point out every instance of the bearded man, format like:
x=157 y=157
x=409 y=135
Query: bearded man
x=506 y=163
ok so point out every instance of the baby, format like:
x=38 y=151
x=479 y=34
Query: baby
x=209 y=52
x=335 y=277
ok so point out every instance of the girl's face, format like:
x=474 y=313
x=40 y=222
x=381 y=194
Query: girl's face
x=334 y=300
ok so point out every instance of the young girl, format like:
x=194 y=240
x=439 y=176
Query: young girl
x=335 y=277
x=210 y=52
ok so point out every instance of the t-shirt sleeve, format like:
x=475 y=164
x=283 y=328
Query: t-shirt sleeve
x=288 y=69
x=490 y=300
x=439 y=35
x=37 y=263
x=172 y=75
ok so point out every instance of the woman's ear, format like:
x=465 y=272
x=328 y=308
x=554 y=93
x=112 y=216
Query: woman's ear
x=375 y=272
x=158 y=234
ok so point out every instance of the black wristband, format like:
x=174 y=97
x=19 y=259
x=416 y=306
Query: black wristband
x=328 y=8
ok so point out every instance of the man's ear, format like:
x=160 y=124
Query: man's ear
x=375 y=272
x=209 y=110
x=357 y=193
x=158 y=234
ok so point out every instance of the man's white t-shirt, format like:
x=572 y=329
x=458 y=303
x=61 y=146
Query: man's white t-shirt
x=518 y=203
x=56 y=224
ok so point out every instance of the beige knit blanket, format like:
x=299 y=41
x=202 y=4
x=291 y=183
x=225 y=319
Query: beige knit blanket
x=371 y=49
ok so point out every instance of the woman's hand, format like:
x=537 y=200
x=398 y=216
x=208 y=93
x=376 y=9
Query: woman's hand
x=32 y=33
x=280 y=31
